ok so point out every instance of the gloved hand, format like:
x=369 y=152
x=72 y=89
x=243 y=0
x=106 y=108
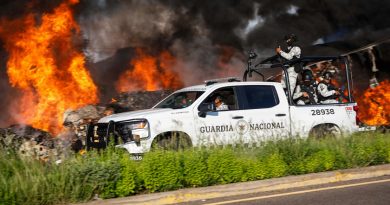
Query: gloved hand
x=278 y=49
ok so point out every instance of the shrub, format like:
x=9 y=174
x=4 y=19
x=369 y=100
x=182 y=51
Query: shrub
x=388 y=154
x=293 y=151
x=24 y=180
x=361 y=151
x=128 y=182
x=92 y=174
x=275 y=165
x=223 y=166
x=253 y=169
x=111 y=172
x=161 y=171
x=322 y=160
x=195 y=168
x=381 y=147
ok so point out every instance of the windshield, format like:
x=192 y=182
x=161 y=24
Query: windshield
x=180 y=100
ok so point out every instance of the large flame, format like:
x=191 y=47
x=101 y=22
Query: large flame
x=149 y=73
x=374 y=105
x=46 y=66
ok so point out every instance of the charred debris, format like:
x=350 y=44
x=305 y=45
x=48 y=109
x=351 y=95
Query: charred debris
x=29 y=141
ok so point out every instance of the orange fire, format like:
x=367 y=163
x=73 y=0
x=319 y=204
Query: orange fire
x=374 y=105
x=149 y=73
x=46 y=66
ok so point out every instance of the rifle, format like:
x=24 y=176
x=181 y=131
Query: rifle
x=311 y=95
x=341 y=90
x=342 y=95
x=273 y=59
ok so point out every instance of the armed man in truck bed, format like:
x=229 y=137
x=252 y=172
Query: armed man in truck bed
x=305 y=91
x=293 y=51
x=327 y=93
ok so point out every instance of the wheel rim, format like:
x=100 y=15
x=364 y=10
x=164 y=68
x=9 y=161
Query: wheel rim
x=333 y=131
x=324 y=131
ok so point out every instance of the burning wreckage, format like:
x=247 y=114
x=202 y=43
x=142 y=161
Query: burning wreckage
x=39 y=144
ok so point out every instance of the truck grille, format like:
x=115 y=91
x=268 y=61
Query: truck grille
x=96 y=136
x=99 y=135
x=123 y=132
x=101 y=129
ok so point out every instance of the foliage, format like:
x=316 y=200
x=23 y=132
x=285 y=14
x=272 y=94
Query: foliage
x=223 y=166
x=111 y=173
x=161 y=171
x=129 y=181
x=195 y=168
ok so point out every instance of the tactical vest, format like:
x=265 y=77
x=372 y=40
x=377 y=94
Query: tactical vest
x=311 y=90
x=297 y=67
x=331 y=97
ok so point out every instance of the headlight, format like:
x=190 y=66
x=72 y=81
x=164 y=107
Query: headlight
x=132 y=130
x=138 y=125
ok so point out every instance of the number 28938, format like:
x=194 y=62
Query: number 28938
x=322 y=112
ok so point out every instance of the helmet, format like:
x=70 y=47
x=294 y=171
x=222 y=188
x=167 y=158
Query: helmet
x=291 y=36
x=327 y=75
x=307 y=75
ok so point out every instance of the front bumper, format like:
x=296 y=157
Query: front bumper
x=367 y=128
x=134 y=148
x=99 y=135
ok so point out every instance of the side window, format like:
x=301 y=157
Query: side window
x=260 y=96
x=226 y=99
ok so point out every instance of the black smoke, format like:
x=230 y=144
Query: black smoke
x=199 y=32
x=161 y=23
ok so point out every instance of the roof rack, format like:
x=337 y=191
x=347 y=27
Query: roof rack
x=219 y=80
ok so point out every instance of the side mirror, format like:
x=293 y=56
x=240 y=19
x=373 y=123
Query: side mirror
x=204 y=108
x=202 y=114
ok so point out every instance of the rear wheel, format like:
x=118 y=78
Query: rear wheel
x=324 y=131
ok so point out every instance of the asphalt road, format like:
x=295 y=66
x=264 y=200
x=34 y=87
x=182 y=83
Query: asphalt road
x=369 y=191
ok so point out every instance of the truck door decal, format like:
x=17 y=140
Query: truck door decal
x=242 y=127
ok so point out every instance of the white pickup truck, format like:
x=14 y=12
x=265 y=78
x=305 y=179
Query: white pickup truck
x=257 y=111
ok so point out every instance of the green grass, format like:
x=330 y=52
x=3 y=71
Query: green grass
x=111 y=173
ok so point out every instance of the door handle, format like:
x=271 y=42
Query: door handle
x=280 y=115
x=237 y=117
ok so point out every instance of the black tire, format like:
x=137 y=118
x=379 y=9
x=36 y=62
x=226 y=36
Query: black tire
x=325 y=131
x=172 y=141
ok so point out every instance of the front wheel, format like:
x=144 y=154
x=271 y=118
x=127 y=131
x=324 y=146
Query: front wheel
x=172 y=141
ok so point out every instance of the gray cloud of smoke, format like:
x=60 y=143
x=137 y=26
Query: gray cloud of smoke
x=198 y=32
x=194 y=31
